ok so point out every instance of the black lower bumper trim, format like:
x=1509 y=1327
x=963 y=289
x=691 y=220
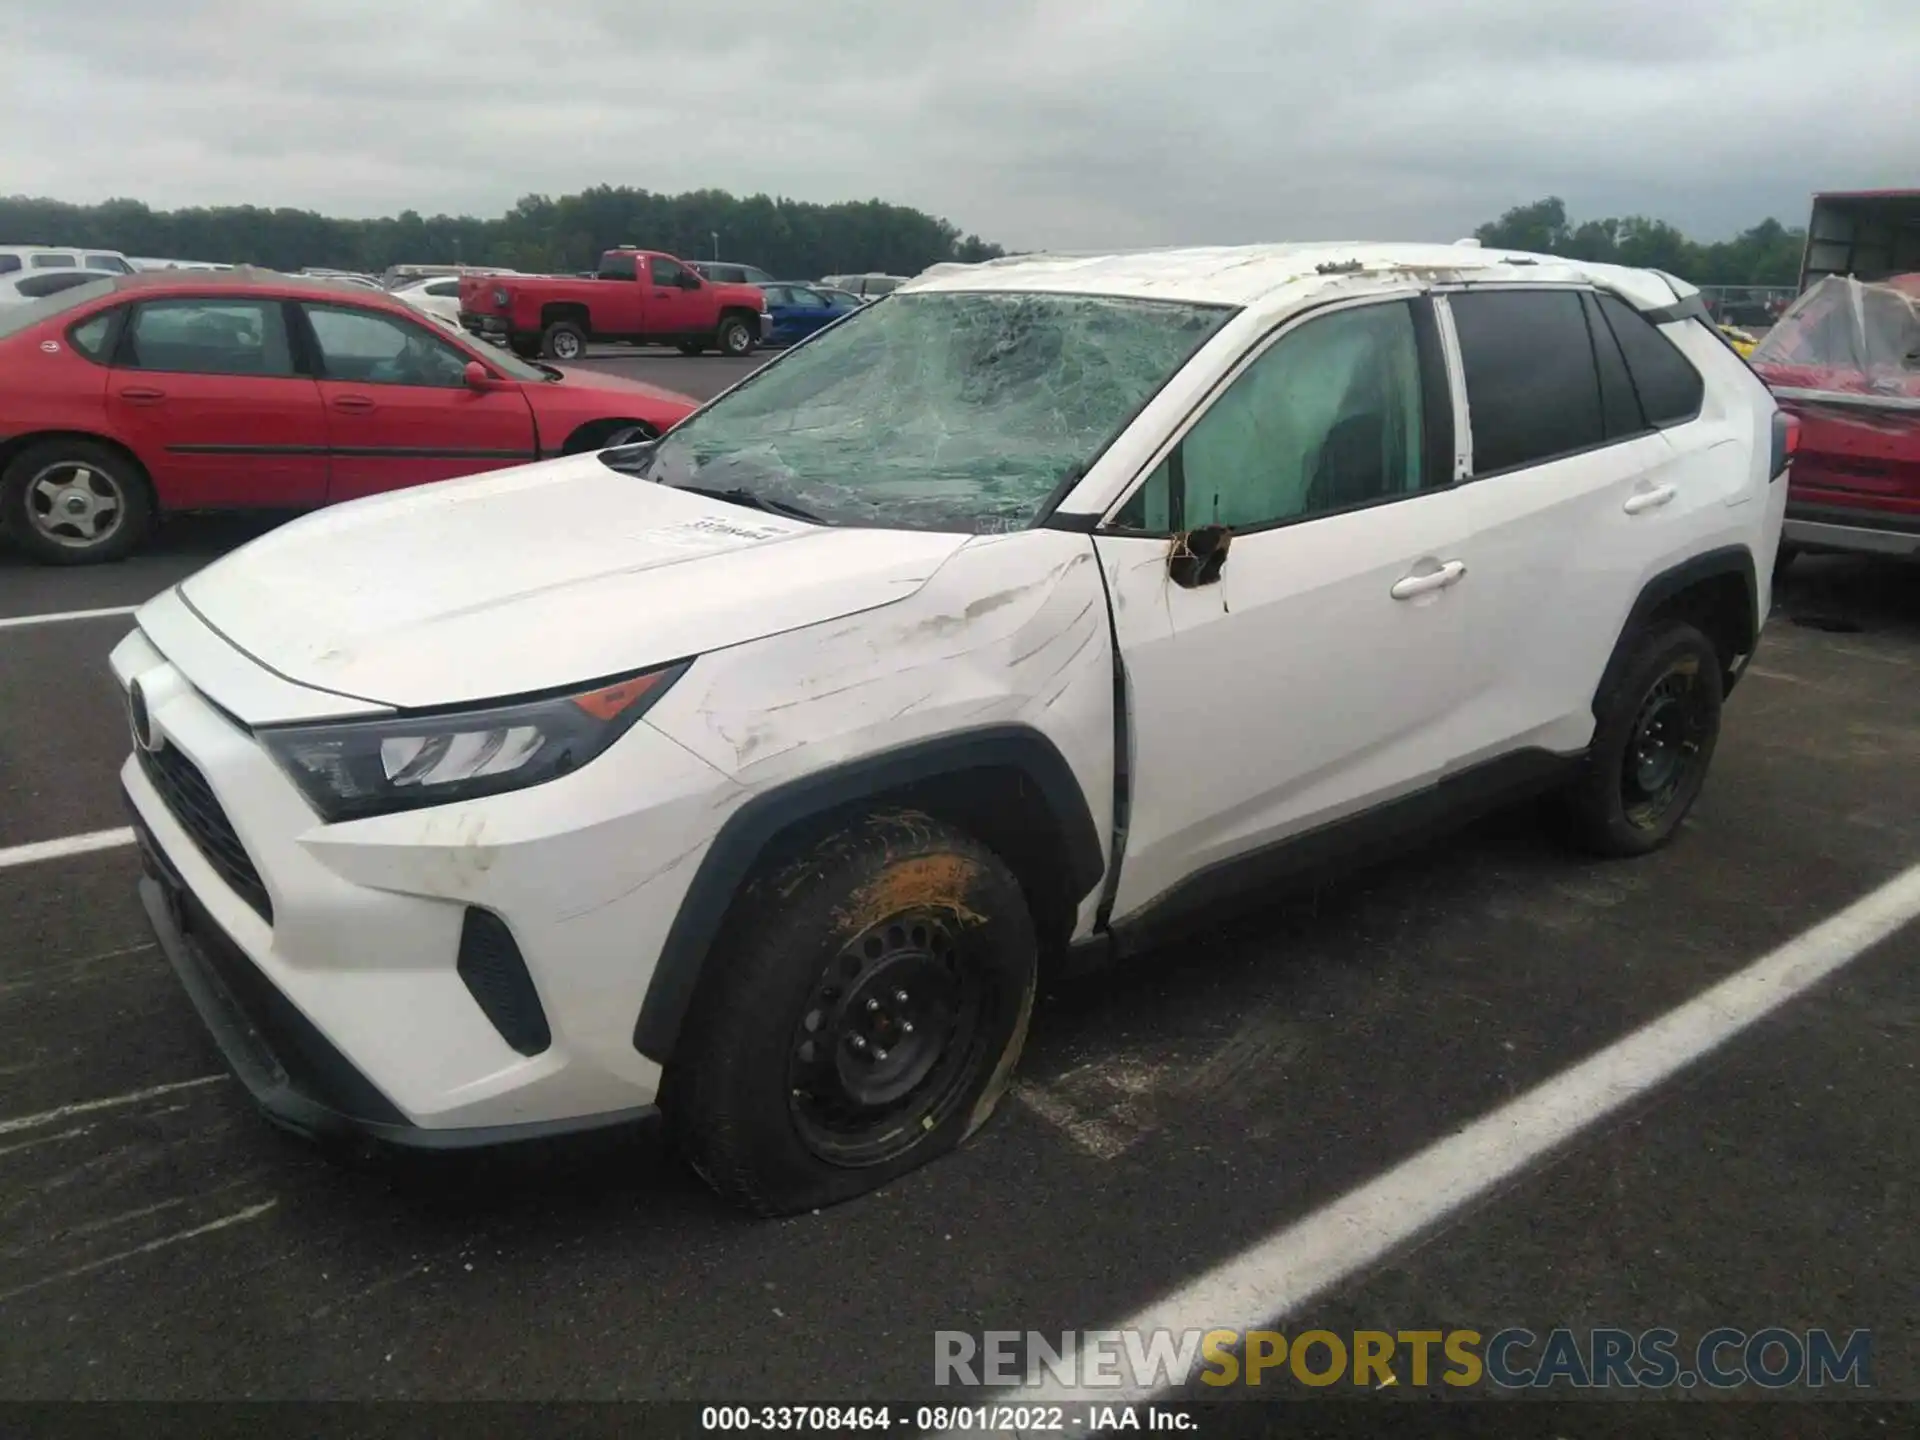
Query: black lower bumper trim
x=299 y=1079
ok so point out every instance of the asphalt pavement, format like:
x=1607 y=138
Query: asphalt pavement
x=158 y=1240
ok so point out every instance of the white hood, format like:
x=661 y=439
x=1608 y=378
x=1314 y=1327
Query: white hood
x=536 y=578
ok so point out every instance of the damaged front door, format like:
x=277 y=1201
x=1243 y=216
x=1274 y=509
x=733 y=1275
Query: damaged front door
x=1286 y=593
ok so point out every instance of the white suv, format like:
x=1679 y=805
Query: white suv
x=750 y=773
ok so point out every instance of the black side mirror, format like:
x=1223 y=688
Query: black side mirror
x=1196 y=557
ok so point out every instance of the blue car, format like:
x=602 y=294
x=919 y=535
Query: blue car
x=799 y=310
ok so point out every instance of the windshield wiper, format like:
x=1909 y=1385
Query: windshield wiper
x=740 y=495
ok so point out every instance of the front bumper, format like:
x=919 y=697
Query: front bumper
x=295 y=1075
x=328 y=960
x=487 y=327
x=766 y=327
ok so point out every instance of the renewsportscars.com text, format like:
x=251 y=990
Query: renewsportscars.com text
x=1726 y=1358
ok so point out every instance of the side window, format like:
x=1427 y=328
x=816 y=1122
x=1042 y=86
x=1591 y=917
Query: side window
x=1329 y=417
x=54 y=281
x=368 y=348
x=53 y=262
x=92 y=336
x=112 y=263
x=618 y=267
x=1619 y=406
x=778 y=295
x=9 y=264
x=1670 y=388
x=444 y=290
x=209 y=337
x=664 y=271
x=1533 y=391
x=805 y=299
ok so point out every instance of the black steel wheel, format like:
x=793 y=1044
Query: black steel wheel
x=861 y=1015
x=1656 y=727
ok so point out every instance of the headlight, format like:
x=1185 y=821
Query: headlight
x=356 y=768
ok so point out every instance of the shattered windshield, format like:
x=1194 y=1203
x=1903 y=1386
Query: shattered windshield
x=937 y=411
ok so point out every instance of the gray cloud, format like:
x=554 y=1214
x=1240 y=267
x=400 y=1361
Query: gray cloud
x=1075 y=123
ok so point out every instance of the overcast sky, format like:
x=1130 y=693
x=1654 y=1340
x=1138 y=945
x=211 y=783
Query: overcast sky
x=1065 y=123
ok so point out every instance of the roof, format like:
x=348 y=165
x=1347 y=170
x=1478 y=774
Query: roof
x=240 y=277
x=1245 y=275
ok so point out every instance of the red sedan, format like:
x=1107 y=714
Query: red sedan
x=140 y=394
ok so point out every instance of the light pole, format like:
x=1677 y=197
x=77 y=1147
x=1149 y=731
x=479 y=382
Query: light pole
x=716 y=243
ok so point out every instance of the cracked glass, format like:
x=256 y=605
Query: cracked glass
x=938 y=411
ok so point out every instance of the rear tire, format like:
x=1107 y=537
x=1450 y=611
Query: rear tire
x=75 y=502
x=860 y=1015
x=734 y=337
x=564 y=341
x=1657 y=727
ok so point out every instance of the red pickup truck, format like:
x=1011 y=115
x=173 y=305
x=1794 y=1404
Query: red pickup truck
x=638 y=296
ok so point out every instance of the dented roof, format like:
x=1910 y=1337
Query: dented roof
x=1252 y=275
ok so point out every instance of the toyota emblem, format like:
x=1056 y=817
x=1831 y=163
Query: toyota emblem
x=143 y=735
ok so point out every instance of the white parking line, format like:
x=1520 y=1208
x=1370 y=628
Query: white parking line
x=17 y=622
x=64 y=846
x=1273 y=1278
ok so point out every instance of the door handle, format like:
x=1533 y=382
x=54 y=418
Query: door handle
x=1411 y=585
x=352 y=402
x=142 y=395
x=1649 y=499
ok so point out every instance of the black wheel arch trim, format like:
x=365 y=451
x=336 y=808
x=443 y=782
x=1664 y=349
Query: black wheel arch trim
x=745 y=836
x=1727 y=560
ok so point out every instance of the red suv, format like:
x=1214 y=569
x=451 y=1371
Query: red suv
x=140 y=394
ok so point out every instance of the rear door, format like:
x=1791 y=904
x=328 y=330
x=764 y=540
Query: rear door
x=208 y=392
x=1575 y=497
x=398 y=408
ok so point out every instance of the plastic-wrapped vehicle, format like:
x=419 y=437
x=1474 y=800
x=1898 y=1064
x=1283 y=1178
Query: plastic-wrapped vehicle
x=1846 y=360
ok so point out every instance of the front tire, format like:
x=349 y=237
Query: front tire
x=860 y=1016
x=75 y=502
x=735 y=337
x=1657 y=727
x=563 y=340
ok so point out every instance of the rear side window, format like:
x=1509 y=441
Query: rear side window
x=1670 y=389
x=1619 y=406
x=53 y=262
x=617 y=267
x=9 y=264
x=1532 y=389
x=93 y=336
x=54 y=281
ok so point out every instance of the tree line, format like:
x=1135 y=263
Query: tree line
x=541 y=234
x=1767 y=254
x=794 y=238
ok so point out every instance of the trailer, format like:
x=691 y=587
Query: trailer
x=1868 y=234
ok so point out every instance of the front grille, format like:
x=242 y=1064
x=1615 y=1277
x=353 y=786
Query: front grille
x=192 y=803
